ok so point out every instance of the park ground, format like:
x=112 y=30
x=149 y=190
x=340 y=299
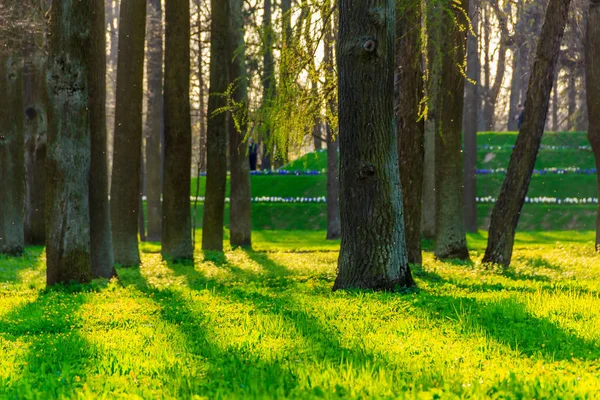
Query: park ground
x=265 y=324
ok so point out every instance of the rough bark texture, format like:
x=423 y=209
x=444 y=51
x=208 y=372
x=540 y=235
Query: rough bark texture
x=592 y=79
x=240 y=209
x=267 y=78
x=154 y=119
x=450 y=236
x=217 y=130
x=470 y=118
x=34 y=77
x=505 y=216
x=177 y=222
x=101 y=248
x=410 y=126
x=373 y=251
x=126 y=183
x=12 y=160
x=69 y=151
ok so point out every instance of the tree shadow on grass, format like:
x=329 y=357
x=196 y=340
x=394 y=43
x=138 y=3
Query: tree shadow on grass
x=230 y=371
x=12 y=267
x=56 y=358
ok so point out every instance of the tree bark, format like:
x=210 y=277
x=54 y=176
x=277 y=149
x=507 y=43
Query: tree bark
x=505 y=216
x=373 y=251
x=450 y=237
x=69 y=150
x=240 y=210
x=268 y=78
x=592 y=78
x=410 y=126
x=101 y=248
x=154 y=119
x=12 y=156
x=177 y=222
x=555 y=102
x=217 y=130
x=470 y=118
x=34 y=76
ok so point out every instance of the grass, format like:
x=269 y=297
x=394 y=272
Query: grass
x=266 y=325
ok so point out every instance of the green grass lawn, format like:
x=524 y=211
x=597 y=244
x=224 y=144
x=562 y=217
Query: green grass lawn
x=266 y=325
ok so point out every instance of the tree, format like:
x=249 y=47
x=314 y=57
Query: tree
x=373 y=254
x=217 y=130
x=410 y=126
x=592 y=78
x=101 y=250
x=470 y=119
x=69 y=151
x=126 y=185
x=240 y=209
x=177 y=224
x=505 y=216
x=450 y=237
x=12 y=161
x=267 y=79
x=154 y=119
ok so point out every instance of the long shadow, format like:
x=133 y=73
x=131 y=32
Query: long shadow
x=230 y=371
x=57 y=356
x=11 y=267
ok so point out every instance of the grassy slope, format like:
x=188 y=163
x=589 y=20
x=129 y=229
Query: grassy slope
x=266 y=325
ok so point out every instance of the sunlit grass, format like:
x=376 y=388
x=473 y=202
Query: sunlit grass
x=247 y=324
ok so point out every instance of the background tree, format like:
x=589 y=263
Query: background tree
x=217 y=132
x=268 y=79
x=372 y=254
x=240 y=211
x=505 y=216
x=592 y=72
x=450 y=237
x=69 y=152
x=126 y=185
x=154 y=118
x=176 y=224
x=410 y=125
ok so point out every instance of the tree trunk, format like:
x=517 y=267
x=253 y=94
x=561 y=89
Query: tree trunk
x=428 y=195
x=177 y=222
x=450 y=238
x=334 y=229
x=240 y=210
x=515 y=93
x=217 y=132
x=101 y=248
x=12 y=156
x=409 y=124
x=470 y=118
x=69 y=146
x=555 y=103
x=154 y=119
x=592 y=78
x=373 y=251
x=572 y=102
x=267 y=78
x=505 y=216
x=202 y=111
x=113 y=56
x=35 y=145
x=126 y=183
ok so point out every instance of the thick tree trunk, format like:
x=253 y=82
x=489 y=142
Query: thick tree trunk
x=240 y=211
x=34 y=76
x=126 y=183
x=154 y=119
x=410 y=126
x=373 y=251
x=505 y=216
x=177 y=222
x=101 y=248
x=470 y=118
x=267 y=78
x=12 y=156
x=450 y=237
x=217 y=132
x=592 y=72
x=69 y=150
